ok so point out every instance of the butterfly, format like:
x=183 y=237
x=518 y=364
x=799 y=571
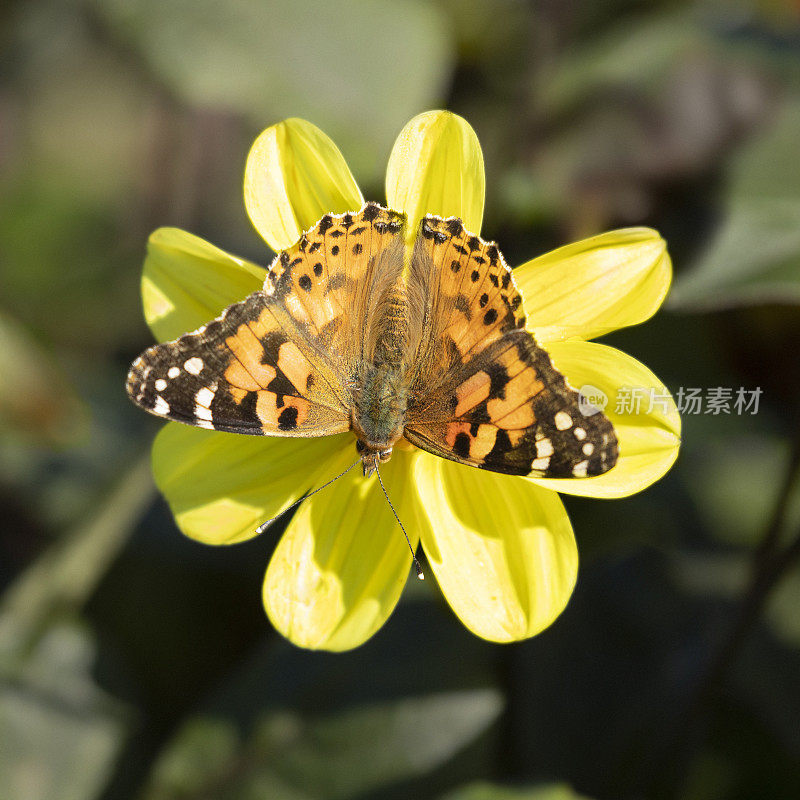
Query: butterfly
x=355 y=331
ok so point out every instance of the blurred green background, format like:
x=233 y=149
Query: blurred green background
x=135 y=663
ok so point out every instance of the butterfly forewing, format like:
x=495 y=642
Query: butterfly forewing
x=283 y=361
x=487 y=394
x=326 y=282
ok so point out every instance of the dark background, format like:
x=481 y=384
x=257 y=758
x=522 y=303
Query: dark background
x=135 y=663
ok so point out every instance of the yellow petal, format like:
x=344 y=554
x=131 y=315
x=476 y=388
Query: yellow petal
x=436 y=167
x=594 y=286
x=339 y=569
x=648 y=440
x=187 y=281
x=502 y=548
x=295 y=174
x=221 y=486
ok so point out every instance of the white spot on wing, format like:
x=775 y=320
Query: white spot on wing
x=540 y=463
x=588 y=449
x=201 y=412
x=161 y=406
x=204 y=397
x=544 y=448
x=160 y=385
x=579 y=470
x=173 y=372
x=580 y=434
x=194 y=365
x=563 y=420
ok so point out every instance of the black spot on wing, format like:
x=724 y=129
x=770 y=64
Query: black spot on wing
x=280 y=384
x=498 y=377
x=496 y=457
x=454 y=226
x=271 y=343
x=371 y=212
x=287 y=419
x=461 y=445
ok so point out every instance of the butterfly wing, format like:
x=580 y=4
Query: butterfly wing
x=283 y=361
x=484 y=392
x=240 y=373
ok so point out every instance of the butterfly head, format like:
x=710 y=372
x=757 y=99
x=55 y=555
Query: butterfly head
x=372 y=456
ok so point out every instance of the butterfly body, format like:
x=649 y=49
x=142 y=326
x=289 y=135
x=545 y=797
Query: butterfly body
x=355 y=330
x=380 y=407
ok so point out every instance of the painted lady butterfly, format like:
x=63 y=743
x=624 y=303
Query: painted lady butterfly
x=353 y=332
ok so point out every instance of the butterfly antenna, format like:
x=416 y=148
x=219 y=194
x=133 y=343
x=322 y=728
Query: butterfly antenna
x=417 y=566
x=262 y=527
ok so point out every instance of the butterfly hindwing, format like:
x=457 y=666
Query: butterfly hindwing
x=511 y=411
x=240 y=373
x=487 y=394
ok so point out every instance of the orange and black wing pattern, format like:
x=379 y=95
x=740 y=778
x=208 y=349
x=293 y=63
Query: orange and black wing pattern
x=486 y=394
x=283 y=361
x=239 y=373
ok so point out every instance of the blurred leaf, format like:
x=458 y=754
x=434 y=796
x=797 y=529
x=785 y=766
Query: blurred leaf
x=493 y=791
x=337 y=756
x=35 y=397
x=769 y=167
x=734 y=480
x=754 y=257
x=294 y=721
x=632 y=54
x=357 y=68
x=64 y=576
x=782 y=610
x=60 y=733
x=62 y=267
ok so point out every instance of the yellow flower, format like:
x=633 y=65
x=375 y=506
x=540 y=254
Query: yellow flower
x=501 y=548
